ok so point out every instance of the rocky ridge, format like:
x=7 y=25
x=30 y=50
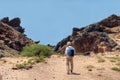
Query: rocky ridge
x=94 y=37
x=12 y=37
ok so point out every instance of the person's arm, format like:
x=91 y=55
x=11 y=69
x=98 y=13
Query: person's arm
x=66 y=50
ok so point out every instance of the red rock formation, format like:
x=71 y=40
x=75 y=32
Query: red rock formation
x=89 y=38
x=10 y=38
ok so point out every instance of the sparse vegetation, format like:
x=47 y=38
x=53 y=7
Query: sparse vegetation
x=37 y=50
x=118 y=64
x=37 y=59
x=28 y=64
x=118 y=36
x=90 y=66
x=100 y=59
x=114 y=58
x=59 y=54
x=21 y=66
x=116 y=69
x=112 y=61
x=37 y=53
x=11 y=54
x=3 y=60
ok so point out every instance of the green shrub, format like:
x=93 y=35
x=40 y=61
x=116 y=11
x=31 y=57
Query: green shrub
x=38 y=59
x=37 y=50
x=22 y=65
x=37 y=53
x=118 y=64
x=116 y=69
x=112 y=61
x=31 y=61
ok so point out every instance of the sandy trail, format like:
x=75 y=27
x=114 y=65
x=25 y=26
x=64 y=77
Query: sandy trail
x=85 y=68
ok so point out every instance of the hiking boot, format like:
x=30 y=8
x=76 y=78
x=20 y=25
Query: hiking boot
x=68 y=73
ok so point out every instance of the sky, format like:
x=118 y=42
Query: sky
x=49 y=21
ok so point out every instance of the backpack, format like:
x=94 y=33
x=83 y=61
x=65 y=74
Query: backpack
x=70 y=52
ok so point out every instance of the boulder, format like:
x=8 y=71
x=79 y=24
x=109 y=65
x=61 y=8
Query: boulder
x=1 y=55
x=87 y=53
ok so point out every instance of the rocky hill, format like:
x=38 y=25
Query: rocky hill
x=12 y=37
x=97 y=37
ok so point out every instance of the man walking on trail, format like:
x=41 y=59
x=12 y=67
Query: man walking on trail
x=69 y=51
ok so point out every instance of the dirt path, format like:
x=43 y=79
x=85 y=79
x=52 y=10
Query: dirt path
x=85 y=68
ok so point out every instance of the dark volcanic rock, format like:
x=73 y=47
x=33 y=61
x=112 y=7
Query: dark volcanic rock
x=1 y=55
x=94 y=27
x=86 y=53
x=11 y=35
x=61 y=44
x=5 y=20
x=111 y=21
x=15 y=23
x=93 y=37
x=85 y=42
x=17 y=45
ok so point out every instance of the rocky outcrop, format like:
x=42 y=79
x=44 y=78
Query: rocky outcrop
x=59 y=46
x=93 y=37
x=12 y=36
x=111 y=21
x=15 y=23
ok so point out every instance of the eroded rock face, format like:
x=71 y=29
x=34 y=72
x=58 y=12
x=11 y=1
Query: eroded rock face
x=11 y=36
x=15 y=23
x=5 y=20
x=111 y=21
x=61 y=44
x=90 y=38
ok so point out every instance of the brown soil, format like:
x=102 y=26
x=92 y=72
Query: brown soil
x=85 y=68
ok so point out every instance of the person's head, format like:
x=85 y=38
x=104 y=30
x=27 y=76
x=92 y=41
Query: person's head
x=69 y=43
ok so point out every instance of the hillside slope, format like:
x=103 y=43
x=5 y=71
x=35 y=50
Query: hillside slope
x=94 y=37
x=12 y=37
x=116 y=35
